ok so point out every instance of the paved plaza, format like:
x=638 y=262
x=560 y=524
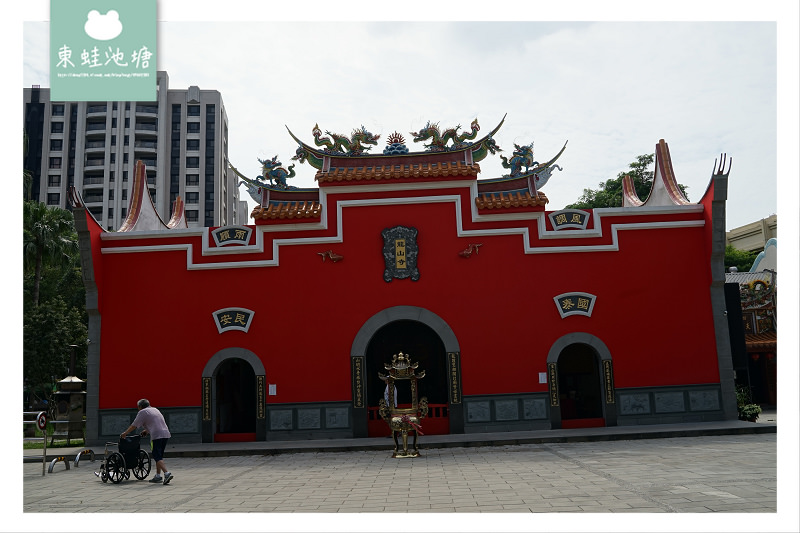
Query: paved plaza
x=724 y=473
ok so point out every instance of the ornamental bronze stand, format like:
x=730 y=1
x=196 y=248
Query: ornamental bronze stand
x=403 y=421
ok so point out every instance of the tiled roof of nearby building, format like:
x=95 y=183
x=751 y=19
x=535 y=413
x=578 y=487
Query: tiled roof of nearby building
x=761 y=341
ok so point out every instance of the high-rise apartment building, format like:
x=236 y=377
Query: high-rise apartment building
x=182 y=138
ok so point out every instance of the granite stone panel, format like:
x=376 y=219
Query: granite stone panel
x=506 y=409
x=669 y=402
x=114 y=424
x=280 y=419
x=704 y=400
x=183 y=422
x=534 y=408
x=337 y=417
x=308 y=419
x=479 y=411
x=634 y=403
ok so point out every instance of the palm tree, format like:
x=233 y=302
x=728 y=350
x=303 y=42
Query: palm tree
x=48 y=234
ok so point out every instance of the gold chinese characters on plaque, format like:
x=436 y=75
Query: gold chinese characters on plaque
x=400 y=252
x=400 y=261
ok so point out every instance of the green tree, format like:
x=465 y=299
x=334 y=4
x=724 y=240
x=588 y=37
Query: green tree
x=740 y=259
x=63 y=281
x=49 y=238
x=48 y=331
x=609 y=193
x=54 y=303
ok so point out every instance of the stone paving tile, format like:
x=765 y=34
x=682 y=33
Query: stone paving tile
x=685 y=475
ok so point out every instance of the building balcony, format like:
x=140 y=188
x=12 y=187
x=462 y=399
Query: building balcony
x=94 y=170
x=93 y=180
x=146 y=126
x=95 y=146
x=95 y=110
x=147 y=110
x=148 y=147
x=95 y=129
x=94 y=163
x=93 y=198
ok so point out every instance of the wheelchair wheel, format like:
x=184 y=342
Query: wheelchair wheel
x=142 y=467
x=115 y=467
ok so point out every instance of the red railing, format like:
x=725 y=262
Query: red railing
x=436 y=423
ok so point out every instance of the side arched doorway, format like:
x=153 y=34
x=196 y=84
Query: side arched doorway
x=235 y=408
x=581 y=383
x=429 y=341
x=233 y=397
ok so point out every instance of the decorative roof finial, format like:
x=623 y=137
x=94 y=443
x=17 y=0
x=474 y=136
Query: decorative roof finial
x=396 y=144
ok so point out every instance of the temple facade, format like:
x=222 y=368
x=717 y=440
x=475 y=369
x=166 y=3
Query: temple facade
x=521 y=318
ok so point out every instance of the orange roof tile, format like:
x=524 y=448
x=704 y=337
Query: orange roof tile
x=286 y=210
x=505 y=200
x=422 y=170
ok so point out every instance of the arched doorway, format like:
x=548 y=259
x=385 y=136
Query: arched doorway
x=233 y=397
x=425 y=348
x=581 y=382
x=236 y=401
x=423 y=332
x=579 y=387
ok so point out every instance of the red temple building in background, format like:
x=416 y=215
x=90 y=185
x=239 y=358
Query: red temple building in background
x=522 y=318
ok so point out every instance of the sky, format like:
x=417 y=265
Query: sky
x=611 y=90
x=610 y=78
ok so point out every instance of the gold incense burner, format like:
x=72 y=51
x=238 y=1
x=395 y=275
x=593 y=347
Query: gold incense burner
x=406 y=420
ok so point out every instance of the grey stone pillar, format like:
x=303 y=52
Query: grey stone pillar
x=717 y=265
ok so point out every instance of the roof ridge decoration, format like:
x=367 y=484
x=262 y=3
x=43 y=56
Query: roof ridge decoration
x=539 y=174
x=178 y=219
x=142 y=214
x=439 y=139
x=271 y=171
x=396 y=145
x=316 y=157
x=341 y=145
x=664 y=190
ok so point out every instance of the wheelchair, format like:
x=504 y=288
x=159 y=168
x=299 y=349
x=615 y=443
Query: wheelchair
x=118 y=465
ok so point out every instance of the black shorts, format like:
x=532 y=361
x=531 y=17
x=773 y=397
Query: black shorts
x=159 y=445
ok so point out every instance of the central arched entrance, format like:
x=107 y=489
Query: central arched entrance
x=424 y=346
x=428 y=340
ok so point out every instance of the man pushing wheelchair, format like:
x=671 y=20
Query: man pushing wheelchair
x=154 y=424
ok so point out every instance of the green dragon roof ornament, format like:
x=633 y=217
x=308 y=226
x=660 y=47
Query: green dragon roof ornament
x=359 y=143
x=439 y=139
x=356 y=144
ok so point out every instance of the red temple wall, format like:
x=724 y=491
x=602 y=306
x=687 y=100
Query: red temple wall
x=652 y=309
